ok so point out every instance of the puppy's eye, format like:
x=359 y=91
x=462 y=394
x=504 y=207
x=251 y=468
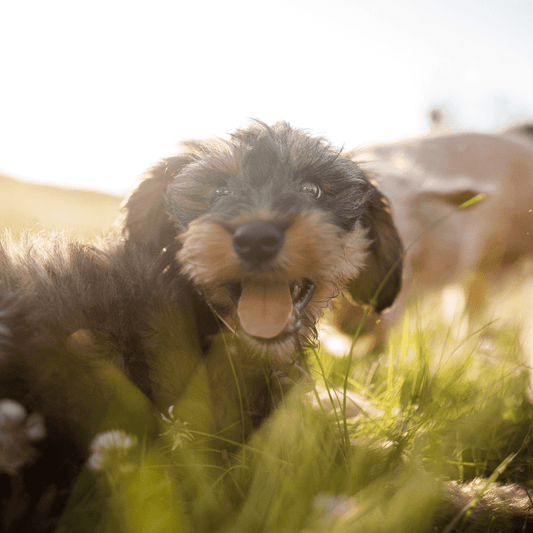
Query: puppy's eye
x=312 y=189
x=222 y=191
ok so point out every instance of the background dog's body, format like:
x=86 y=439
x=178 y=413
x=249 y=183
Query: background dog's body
x=427 y=179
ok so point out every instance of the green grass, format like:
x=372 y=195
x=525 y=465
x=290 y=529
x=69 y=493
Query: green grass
x=448 y=412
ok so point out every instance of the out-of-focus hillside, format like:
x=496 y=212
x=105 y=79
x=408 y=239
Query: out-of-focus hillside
x=37 y=207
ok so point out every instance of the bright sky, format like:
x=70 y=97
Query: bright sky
x=94 y=92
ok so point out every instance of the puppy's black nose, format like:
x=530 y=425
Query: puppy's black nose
x=257 y=240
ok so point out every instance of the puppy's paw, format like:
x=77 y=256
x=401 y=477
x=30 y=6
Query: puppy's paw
x=18 y=431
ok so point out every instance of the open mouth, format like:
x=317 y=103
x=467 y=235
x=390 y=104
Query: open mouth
x=269 y=308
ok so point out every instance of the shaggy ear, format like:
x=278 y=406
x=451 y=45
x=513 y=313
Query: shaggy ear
x=147 y=220
x=381 y=279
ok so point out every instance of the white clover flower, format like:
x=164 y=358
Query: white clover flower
x=112 y=449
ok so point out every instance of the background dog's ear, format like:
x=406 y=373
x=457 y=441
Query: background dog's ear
x=383 y=269
x=147 y=220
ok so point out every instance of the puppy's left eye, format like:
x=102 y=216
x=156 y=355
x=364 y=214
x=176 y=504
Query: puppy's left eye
x=312 y=189
x=222 y=191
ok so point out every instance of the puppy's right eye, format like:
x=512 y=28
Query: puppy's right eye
x=312 y=189
x=222 y=191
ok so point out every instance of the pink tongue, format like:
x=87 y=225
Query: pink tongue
x=265 y=307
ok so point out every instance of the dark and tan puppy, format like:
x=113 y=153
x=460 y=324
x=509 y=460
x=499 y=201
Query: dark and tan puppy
x=232 y=250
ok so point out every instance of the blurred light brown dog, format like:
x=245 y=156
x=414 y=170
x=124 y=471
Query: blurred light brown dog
x=429 y=179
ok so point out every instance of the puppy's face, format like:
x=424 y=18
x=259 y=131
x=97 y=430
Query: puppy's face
x=272 y=224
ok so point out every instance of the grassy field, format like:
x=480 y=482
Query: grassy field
x=448 y=401
x=44 y=207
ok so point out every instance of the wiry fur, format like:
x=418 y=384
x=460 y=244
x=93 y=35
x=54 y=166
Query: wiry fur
x=490 y=507
x=345 y=238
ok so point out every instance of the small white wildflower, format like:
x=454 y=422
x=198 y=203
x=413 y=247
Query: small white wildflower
x=18 y=431
x=111 y=449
